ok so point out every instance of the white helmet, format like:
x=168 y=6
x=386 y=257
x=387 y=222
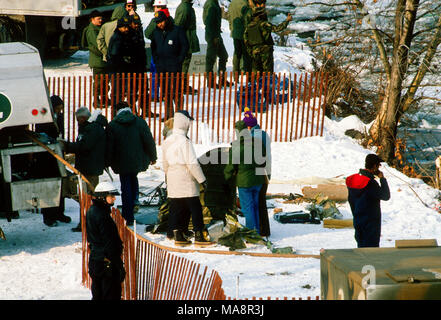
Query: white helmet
x=105 y=188
x=160 y=3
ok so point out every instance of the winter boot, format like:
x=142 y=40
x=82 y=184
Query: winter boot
x=201 y=239
x=188 y=234
x=64 y=218
x=180 y=240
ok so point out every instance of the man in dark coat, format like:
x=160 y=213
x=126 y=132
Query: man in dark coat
x=89 y=147
x=120 y=56
x=364 y=195
x=105 y=265
x=139 y=64
x=169 y=49
x=130 y=150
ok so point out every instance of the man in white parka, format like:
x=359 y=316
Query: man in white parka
x=183 y=177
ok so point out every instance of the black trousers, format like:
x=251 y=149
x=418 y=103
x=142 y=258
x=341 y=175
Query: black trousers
x=368 y=234
x=106 y=284
x=180 y=211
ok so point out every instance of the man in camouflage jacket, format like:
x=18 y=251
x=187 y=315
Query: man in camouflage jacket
x=258 y=39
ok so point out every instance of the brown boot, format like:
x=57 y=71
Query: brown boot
x=180 y=240
x=201 y=239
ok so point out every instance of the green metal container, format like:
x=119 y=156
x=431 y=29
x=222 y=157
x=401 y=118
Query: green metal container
x=404 y=273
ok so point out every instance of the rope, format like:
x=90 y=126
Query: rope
x=408 y=184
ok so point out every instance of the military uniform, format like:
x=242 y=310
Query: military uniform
x=212 y=17
x=96 y=61
x=258 y=40
x=236 y=12
x=185 y=18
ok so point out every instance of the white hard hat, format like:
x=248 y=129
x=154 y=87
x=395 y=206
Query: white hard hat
x=160 y=3
x=105 y=188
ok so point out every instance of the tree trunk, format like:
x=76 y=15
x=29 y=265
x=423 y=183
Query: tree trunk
x=384 y=129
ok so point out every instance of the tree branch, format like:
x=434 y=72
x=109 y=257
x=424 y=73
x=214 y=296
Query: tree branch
x=380 y=45
x=423 y=68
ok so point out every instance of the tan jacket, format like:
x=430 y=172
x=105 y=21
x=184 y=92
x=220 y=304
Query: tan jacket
x=182 y=170
x=104 y=36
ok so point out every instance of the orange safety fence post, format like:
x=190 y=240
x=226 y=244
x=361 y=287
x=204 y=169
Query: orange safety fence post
x=298 y=105
x=305 y=88
x=320 y=102
x=324 y=104
x=287 y=109
x=277 y=107
x=314 y=105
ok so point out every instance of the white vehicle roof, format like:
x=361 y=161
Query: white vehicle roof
x=24 y=97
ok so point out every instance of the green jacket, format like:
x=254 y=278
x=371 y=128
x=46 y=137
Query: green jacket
x=185 y=17
x=150 y=28
x=245 y=159
x=130 y=144
x=235 y=17
x=88 y=40
x=212 y=17
x=258 y=29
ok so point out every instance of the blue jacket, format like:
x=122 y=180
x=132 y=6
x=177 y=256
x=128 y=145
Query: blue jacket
x=169 y=48
x=364 y=195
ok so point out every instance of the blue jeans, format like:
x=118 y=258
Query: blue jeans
x=129 y=193
x=249 y=202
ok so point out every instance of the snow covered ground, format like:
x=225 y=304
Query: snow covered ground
x=38 y=262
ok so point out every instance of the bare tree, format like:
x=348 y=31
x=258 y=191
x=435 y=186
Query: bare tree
x=405 y=44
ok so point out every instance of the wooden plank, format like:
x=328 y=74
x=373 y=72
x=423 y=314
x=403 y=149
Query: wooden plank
x=332 y=191
x=416 y=243
x=338 y=224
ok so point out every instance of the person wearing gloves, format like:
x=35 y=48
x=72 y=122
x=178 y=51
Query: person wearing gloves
x=105 y=265
x=184 y=178
x=89 y=147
